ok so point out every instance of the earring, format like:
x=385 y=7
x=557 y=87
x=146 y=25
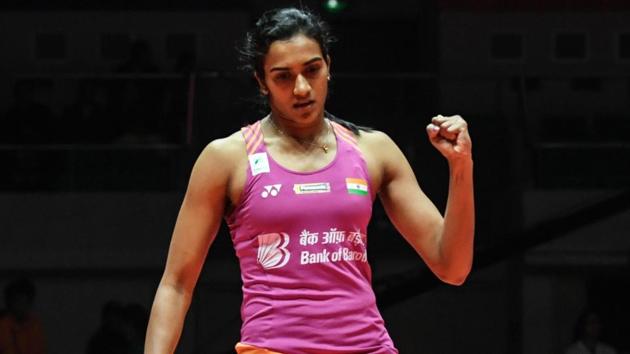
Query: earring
x=264 y=92
x=328 y=77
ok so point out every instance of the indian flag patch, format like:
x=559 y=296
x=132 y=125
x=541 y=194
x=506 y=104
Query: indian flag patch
x=357 y=186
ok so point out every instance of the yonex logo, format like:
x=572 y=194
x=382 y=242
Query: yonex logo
x=271 y=190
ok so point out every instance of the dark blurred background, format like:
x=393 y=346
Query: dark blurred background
x=105 y=105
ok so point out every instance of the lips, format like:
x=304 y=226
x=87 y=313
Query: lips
x=303 y=104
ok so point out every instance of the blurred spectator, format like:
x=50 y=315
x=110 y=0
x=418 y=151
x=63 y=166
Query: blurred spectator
x=111 y=336
x=21 y=331
x=588 y=331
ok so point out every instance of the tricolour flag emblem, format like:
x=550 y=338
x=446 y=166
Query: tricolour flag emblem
x=357 y=186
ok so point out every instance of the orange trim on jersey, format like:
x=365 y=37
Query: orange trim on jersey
x=256 y=144
x=257 y=138
x=242 y=348
x=254 y=139
x=247 y=132
x=345 y=134
x=345 y=131
x=253 y=131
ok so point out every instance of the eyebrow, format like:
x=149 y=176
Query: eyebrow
x=278 y=68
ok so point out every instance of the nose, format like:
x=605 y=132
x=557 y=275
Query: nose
x=302 y=88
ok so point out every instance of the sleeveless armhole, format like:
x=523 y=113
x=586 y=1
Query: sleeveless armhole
x=253 y=138
x=345 y=134
x=348 y=137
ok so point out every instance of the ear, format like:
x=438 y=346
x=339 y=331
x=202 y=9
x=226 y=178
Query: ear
x=261 y=85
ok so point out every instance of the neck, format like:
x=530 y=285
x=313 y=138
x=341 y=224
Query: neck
x=313 y=136
x=302 y=132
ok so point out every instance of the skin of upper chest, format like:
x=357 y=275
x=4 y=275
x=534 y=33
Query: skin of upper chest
x=368 y=144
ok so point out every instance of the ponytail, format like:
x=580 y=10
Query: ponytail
x=355 y=129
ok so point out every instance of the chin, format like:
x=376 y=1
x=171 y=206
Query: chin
x=305 y=117
x=315 y=113
x=301 y=118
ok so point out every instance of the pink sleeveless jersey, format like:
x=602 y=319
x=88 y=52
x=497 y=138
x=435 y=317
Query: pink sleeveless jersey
x=302 y=247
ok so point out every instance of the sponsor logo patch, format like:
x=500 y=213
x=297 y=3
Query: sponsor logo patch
x=271 y=190
x=311 y=188
x=272 y=250
x=259 y=163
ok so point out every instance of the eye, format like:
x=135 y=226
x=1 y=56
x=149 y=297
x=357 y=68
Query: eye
x=284 y=76
x=313 y=70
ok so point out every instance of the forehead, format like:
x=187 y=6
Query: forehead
x=291 y=52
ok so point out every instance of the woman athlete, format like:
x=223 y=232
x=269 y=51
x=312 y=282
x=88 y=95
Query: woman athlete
x=296 y=189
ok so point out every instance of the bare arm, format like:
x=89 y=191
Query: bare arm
x=444 y=243
x=196 y=227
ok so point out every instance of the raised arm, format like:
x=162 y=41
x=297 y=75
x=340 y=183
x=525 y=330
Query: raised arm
x=196 y=227
x=444 y=243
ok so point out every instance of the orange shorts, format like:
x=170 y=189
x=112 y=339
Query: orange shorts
x=243 y=348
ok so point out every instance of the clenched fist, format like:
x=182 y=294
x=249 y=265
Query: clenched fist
x=450 y=136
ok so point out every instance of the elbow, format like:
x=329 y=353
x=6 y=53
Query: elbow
x=455 y=280
x=177 y=288
x=455 y=276
x=178 y=284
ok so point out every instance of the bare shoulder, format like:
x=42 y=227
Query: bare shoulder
x=374 y=137
x=225 y=148
x=376 y=144
x=222 y=165
x=219 y=159
x=377 y=149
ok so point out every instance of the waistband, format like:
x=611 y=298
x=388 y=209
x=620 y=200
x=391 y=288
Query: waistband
x=244 y=348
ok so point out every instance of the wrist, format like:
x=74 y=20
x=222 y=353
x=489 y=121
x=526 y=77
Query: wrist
x=462 y=163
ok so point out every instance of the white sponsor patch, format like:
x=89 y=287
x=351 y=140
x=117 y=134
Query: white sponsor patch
x=310 y=188
x=259 y=163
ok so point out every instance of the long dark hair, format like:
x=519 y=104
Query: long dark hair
x=281 y=24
